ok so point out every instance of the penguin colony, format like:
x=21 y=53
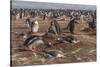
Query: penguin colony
x=34 y=42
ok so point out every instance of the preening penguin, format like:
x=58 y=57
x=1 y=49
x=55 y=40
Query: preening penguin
x=33 y=42
x=54 y=28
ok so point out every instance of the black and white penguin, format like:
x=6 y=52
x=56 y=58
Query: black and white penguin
x=57 y=27
x=29 y=24
x=54 y=53
x=71 y=39
x=17 y=16
x=35 y=27
x=54 y=28
x=33 y=42
x=71 y=24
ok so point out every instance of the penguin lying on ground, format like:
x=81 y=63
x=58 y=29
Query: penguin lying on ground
x=33 y=41
x=71 y=39
x=54 y=53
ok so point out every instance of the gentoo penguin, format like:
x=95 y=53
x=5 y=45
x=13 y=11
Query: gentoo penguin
x=46 y=55
x=54 y=28
x=18 y=16
x=82 y=18
x=35 y=27
x=71 y=24
x=71 y=39
x=57 y=27
x=33 y=41
x=54 y=53
x=29 y=24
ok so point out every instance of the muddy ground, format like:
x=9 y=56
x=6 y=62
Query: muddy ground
x=84 y=51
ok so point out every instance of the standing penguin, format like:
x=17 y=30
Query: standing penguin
x=18 y=16
x=91 y=22
x=35 y=27
x=21 y=10
x=29 y=24
x=57 y=27
x=82 y=18
x=71 y=25
x=44 y=16
x=54 y=28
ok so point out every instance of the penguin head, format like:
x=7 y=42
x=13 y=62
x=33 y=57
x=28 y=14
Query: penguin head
x=36 y=22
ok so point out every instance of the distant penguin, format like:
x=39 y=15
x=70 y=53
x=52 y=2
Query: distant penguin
x=35 y=27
